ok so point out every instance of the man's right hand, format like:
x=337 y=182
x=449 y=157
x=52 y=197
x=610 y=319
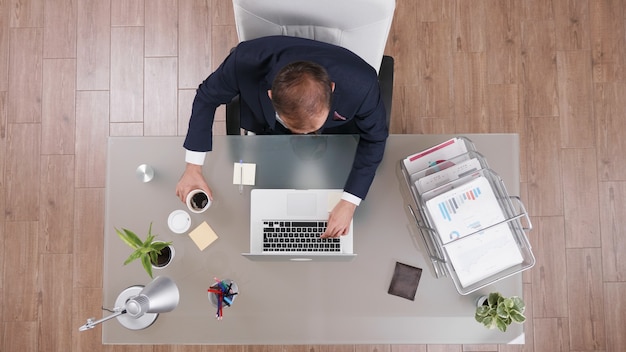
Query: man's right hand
x=192 y=179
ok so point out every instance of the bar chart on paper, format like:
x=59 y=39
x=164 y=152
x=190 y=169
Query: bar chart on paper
x=452 y=204
x=465 y=211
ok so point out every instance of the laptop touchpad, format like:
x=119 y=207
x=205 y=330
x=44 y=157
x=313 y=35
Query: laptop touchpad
x=301 y=204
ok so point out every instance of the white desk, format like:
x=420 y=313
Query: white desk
x=286 y=302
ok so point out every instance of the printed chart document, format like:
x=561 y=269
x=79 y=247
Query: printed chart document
x=441 y=176
x=417 y=164
x=464 y=210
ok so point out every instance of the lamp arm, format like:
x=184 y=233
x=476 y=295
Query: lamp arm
x=91 y=324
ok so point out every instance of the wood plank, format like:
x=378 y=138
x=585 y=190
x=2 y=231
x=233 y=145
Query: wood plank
x=26 y=13
x=551 y=334
x=539 y=72
x=161 y=28
x=216 y=348
x=56 y=219
x=223 y=40
x=470 y=106
x=21 y=264
x=2 y=255
x=372 y=348
x=59 y=30
x=22 y=200
x=194 y=40
x=615 y=308
x=185 y=101
x=4 y=96
x=571 y=18
x=403 y=118
x=612 y=210
x=25 y=80
x=161 y=98
x=435 y=67
x=610 y=124
x=93 y=45
x=127 y=12
x=549 y=288
x=408 y=348
x=544 y=168
x=537 y=10
x=4 y=45
x=126 y=129
x=423 y=73
x=404 y=41
x=92 y=128
x=582 y=218
x=585 y=295
x=433 y=11
x=127 y=55
x=180 y=348
x=469 y=29
x=262 y=348
x=86 y=304
x=575 y=89
x=20 y=336
x=503 y=41
x=608 y=48
x=58 y=115
x=88 y=237
x=504 y=116
x=223 y=14
x=56 y=296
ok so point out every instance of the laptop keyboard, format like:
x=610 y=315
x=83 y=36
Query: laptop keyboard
x=297 y=236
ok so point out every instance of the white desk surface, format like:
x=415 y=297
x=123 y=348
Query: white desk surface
x=287 y=302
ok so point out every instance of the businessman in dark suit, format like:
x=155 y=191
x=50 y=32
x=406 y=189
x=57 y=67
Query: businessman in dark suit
x=291 y=85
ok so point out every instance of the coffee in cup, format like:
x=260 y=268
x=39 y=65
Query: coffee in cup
x=198 y=201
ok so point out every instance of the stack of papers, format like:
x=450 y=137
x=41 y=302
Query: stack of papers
x=463 y=208
x=465 y=211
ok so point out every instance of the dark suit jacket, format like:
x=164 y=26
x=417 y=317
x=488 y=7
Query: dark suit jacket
x=249 y=71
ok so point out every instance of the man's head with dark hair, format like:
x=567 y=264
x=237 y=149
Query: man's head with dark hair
x=302 y=95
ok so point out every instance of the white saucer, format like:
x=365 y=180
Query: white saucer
x=179 y=221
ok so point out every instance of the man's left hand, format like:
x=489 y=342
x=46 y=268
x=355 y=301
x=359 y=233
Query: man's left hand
x=339 y=219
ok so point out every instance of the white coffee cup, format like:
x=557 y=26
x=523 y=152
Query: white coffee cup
x=198 y=201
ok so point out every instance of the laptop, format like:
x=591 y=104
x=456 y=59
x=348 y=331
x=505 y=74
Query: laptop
x=285 y=225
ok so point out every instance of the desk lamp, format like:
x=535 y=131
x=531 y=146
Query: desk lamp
x=137 y=307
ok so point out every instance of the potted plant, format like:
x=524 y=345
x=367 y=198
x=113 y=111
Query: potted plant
x=498 y=311
x=151 y=252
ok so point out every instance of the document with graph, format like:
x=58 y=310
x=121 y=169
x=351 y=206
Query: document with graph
x=465 y=210
x=416 y=164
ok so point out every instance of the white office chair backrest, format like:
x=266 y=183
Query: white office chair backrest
x=361 y=26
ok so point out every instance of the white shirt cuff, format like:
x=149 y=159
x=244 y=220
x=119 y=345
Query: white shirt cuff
x=351 y=198
x=193 y=157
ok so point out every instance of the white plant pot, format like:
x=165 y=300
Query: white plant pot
x=171 y=258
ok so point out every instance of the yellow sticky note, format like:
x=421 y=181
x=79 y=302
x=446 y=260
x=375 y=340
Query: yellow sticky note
x=203 y=235
x=333 y=199
x=244 y=173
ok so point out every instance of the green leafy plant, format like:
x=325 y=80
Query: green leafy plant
x=500 y=312
x=147 y=250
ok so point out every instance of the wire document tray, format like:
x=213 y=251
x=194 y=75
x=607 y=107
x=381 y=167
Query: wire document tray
x=473 y=230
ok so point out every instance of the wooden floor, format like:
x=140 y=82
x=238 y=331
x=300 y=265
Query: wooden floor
x=73 y=72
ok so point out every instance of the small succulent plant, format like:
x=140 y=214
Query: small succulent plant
x=499 y=312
